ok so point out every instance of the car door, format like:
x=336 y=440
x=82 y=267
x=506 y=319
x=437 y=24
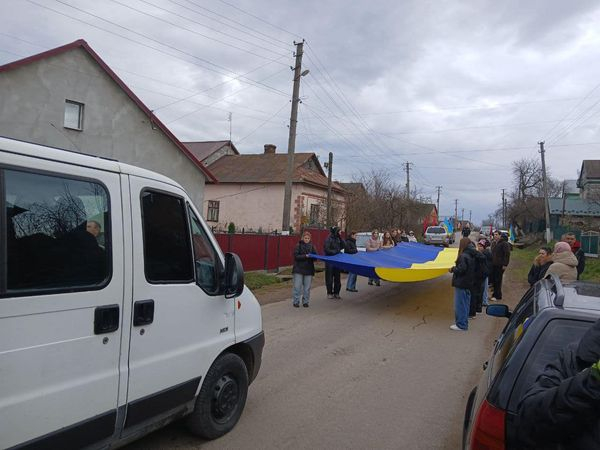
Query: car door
x=61 y=294
x=180 y=320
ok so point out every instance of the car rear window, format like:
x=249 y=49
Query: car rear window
x=361 y=241
x=436 y=230
x=557 y=334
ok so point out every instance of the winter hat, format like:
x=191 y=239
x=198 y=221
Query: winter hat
x=561 y=247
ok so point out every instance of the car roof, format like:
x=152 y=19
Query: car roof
x=582 y=295
x=80 y=159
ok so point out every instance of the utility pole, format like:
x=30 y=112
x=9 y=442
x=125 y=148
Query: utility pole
x=408 y=180
x=462 y=214
x=503 y=211
x=329 y=172
x=455 y=212
x=229 y=118
x=470 y=216
x=439 y=188
x=546 y=206
x=287 y=196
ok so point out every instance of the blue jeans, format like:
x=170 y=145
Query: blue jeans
x=462 y=302
x=351 y=281
x=301 y=288
x=485 y=292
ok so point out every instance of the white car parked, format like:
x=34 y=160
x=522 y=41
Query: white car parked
x=118 y=310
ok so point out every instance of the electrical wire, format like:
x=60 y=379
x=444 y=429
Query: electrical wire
x=262 y=124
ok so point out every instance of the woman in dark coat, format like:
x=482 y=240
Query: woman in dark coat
x=542 y=261
x=303 y=270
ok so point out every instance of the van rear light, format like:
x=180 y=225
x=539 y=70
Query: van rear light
x=488 y=432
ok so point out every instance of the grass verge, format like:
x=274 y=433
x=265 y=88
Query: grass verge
x=256 y=280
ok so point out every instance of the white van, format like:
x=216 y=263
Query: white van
x=118 y=311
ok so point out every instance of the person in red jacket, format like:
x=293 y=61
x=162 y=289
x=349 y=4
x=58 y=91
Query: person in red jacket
x=571 y=239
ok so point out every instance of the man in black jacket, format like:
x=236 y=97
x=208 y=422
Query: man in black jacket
x=463 y=280
x=500 y=260
x=562 y=408
x=334 y=244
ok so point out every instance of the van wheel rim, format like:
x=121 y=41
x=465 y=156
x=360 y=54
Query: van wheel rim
x=225 y=398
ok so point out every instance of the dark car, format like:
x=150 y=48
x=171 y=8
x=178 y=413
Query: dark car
x=548 y=317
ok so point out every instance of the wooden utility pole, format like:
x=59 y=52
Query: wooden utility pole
x=329 y=172
x=546 y=206
x=503 y=211
x=407 y=180
x=455 y=213
x=439 y=188
x=287 y=196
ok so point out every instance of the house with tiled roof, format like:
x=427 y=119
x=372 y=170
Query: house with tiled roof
x=69 y=98
x=250 y=188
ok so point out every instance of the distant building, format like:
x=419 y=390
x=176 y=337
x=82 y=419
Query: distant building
x=589 y=179
x=250 y=188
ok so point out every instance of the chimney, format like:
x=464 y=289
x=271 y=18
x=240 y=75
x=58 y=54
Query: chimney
x=270 y=148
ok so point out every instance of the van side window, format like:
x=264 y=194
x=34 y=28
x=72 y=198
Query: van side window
x=167 y=249
x=206 y=259
x=58 y=233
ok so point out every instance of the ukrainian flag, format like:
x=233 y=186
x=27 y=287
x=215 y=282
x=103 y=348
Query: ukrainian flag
x=406 y=262
x=511 y=234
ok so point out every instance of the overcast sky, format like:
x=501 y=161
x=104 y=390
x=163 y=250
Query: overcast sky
x=458 y=89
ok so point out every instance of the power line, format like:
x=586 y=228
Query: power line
x=295 y=35
x=269 y=38
x=263 y=123
x=223 y=70
x=196 y=32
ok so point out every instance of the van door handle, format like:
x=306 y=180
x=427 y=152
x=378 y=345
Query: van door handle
x=143 y=312
x=106 y=319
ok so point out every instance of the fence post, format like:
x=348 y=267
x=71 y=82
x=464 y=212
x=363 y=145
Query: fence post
x=266 y=252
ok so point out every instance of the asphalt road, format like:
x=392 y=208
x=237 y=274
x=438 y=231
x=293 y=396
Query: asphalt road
x=379 y=369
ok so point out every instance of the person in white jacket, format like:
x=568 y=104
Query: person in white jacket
x=373 y=245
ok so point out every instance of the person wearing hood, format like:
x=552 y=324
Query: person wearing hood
x=575 y=245
x=463 y=280
x=560 y=410
x=303 y=270
x=540 y=265
x=334 y=244
x=564 y=262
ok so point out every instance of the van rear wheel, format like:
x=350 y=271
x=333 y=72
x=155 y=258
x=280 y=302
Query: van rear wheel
x=222 y=398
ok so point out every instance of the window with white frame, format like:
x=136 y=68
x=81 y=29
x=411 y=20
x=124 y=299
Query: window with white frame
x=212 y=215
x=73 y=115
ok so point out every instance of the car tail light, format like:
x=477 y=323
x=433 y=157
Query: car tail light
x=488 y=432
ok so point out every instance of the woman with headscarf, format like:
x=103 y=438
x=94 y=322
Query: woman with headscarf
x=564 y=262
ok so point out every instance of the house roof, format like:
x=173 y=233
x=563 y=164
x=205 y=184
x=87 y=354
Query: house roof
x=202 y=150
x=80 y=43
x=269 y=168
x=574 y=207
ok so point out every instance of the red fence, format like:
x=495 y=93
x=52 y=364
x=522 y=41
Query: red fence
x=267 y=251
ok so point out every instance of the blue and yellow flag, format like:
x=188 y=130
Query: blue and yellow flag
x=511 y=234
x=406 y=262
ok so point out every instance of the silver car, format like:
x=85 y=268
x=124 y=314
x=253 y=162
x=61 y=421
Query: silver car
x=436 y=236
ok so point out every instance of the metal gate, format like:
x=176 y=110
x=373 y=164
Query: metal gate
x=590 y=242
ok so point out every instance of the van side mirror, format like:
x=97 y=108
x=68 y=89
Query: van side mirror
x=234 y=276
x=498 y=311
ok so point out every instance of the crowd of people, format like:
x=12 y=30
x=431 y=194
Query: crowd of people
x=566 y=260
x=303 y=269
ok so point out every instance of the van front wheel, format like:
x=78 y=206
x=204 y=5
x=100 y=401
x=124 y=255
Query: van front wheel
x=222 y=398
